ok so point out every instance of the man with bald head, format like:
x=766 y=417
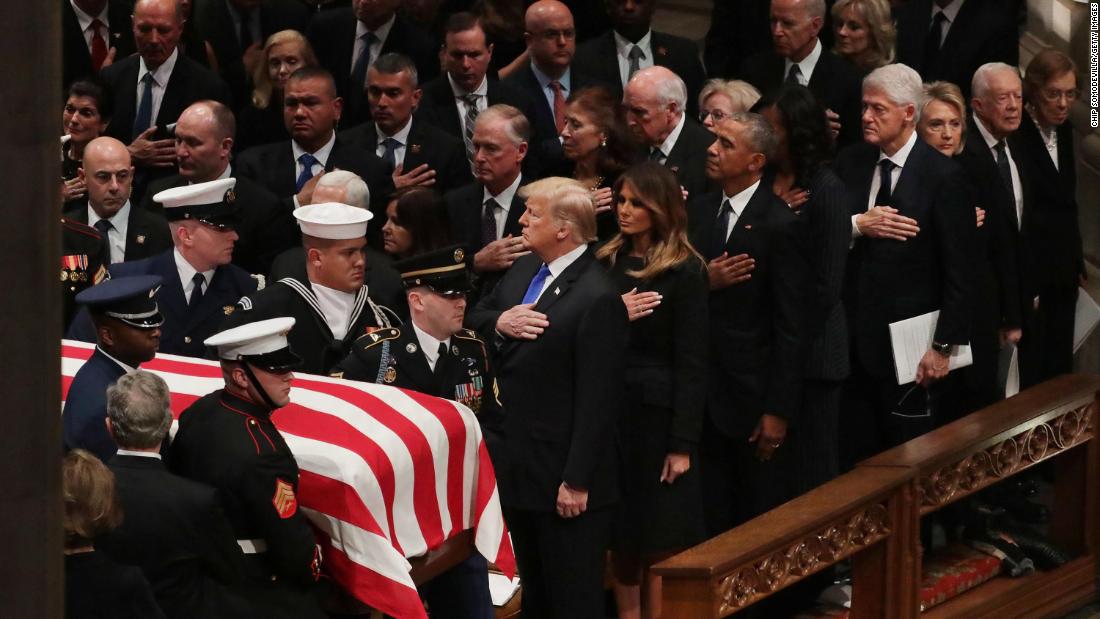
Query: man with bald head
x=129 y=233
x=153 y=87
x=797 y=56
x=655 y=101
x=550 y=78
x=203 y=143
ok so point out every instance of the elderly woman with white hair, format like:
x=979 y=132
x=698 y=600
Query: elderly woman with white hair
x=721 y=99
x=911 y=255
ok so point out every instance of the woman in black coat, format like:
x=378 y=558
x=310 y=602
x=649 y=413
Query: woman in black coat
x=664 y=285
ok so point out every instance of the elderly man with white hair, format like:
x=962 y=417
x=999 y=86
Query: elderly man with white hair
x=560 y=330
x=912 y=233
x=654 y=101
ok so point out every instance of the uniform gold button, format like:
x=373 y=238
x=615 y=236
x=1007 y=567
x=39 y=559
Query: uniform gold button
x=187 y=339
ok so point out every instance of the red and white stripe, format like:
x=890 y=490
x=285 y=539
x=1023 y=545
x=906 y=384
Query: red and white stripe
x=386 y=474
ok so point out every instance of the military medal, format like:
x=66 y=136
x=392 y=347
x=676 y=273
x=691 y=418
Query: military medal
x=64 y=275
x=391 y=373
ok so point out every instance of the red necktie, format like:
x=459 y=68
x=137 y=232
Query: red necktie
x=559 y=105
x=99 y=45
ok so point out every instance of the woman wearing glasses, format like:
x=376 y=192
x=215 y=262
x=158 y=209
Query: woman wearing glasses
x=721 y=98
x=1043 y=147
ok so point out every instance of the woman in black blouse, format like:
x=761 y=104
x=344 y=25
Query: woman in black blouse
x=84 y=118
x=799 y=174
x=261 y=120
x=416 y=222
x=664 y=285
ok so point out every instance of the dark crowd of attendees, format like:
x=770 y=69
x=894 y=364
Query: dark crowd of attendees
x=679 y=276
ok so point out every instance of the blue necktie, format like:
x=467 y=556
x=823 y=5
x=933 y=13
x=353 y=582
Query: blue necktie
x=359 y=72
x=144 y=116
x=390 y=155
x=536 y=285
x=307 y=160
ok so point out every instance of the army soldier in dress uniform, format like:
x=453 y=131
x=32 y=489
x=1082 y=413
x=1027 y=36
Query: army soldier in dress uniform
x=331 y=304
x=81 y=264
x=226 y=439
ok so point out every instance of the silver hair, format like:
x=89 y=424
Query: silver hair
x=743 y=95
x=979 y=84
x=758 y=131
x=356 y=192
x=139 y=407
x=900 y=83
x=516 y=125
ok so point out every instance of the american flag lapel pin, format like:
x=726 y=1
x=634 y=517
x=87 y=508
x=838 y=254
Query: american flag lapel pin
x=748 y=226
x=140 y=239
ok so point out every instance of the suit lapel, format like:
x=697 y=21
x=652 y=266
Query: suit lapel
x=286 y=171
x=742 y=228
x=560 y=286
x=216 y=292
x=515 y=211
x=135 y=235
x=126 y=102
x=414 y=147
x=174 y=92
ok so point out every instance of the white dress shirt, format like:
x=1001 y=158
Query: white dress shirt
x=160 y=81
x=85 y=21
x=899 y=158
x=544 y=83
x=951 y=11
x=738 y=203
x=336 y=306
x=380 y=35
x=430 y=346
x=187 y=275
x=1050 y=140
x=670 y=141
x=557 y=266
x=482 y=92
x=806 y=66
x=1017 y=187
x=116 y=236
x=402 y=137
x=622 y=52
x=504 y=203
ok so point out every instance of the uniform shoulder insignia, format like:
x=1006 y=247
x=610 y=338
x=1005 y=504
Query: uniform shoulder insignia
x=261 y=281
x=468 y=334
x=286 y=504
x=377 y=336
x=80 y=228
x=245 y=304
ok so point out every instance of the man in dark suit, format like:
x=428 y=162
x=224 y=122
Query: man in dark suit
x=485 y=215
x=204 y=141
x=129 y=233
x=127 y=324
x=913 y=231
x=453 y=100
x=550 y=77
x=174 y=529
x=798 y=55
x=738 y=29
x=419 y=153
x=757 y=325
x=949 y=39
x=348 y=41
x=655 y=103
x=613 y=57
x=311 y=110
x=93 y=34
x=560 y=329
x=237 y=29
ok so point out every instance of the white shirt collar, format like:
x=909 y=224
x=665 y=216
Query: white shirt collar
x=623 y=46
x=990 y=141
x=187 y=272
x=85 y=20
x=401 y=136
x=138 y=454
x=544 y=79
x=670 y=141
x=429 y=345
x=163 y=72
x=482 y=89
x=561 y=263
x=321 y=155
x=504 y=198
x=806 y=65
x=122 y=365
x=380 y=32
x=741 y=200
x=899 y=158
x=951 y=11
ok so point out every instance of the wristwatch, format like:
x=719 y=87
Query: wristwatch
x=942 y=348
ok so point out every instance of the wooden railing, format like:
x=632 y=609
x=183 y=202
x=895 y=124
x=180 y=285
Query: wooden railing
x=871 y=517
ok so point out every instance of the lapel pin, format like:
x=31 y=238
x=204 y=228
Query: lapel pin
x=675 y=169
x=748 y=226
x=140 y=239
x=415 y=148
x=557 y=290
x=662 y=51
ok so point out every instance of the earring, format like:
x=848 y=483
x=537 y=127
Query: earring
x=603 y=142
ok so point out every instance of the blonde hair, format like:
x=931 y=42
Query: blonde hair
x=568 y=201
x=261 y=93
x=88 y=492
x=660 y=195
x=743 y=94
x=880 y=27
x=946 y=92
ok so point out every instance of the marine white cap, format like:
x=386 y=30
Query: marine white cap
x=252 y=339
x=332 y=220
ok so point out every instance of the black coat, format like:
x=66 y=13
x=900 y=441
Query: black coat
x=439 y=107
x=76 y=57
x=216 y=26
x=835 y=82
x=443 y=152
x=688 y=159
x=984 y=31
x=332 y=35
x=738 y=29
x=887 y=280
x=560 y=392
x=311 y=337
x=175 y=530
x=545 y=147
x=757 y=327
x=464 y=208
x=147 y=234
x=96 y=587
x=599 y=57
x=81 y=264
x=266 y=226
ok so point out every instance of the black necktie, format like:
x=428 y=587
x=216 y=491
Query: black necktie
x=1003 y=168
x=440 y=371
x=196 y=292
x=933 y=42
x=884 y=197
x=794 y=74
x=489 y=222
x=104 y=227
x=390 y=154
x=718 y=241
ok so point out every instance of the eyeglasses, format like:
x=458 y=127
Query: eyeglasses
x=554 y=35
x=715 y=115
x=915 y=403
x=1052 y=95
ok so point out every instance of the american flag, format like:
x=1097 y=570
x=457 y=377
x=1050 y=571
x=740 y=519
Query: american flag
x=386 y=474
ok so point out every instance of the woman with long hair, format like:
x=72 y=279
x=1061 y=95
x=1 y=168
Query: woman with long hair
x=596 y=142
x=664 y=285
x=261 y=121
x=416 y=223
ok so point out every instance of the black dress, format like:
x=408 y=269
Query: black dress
x=98 y=588
x=257 y=126
x=662 y=411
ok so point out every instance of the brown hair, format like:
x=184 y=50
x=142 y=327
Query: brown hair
x=1045 y=66
x=660 y=194
x=421 y=211
x=606 y=113
x=88 y=492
